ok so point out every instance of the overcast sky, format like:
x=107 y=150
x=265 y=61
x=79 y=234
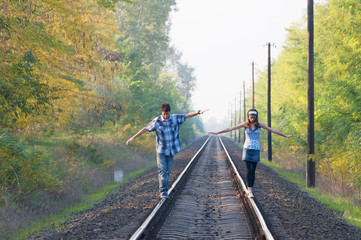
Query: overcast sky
x=220 y=39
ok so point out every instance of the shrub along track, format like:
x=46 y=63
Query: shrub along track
x=291 y=213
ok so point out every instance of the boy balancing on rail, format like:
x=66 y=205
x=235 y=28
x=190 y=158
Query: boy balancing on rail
x=250 y=153
x=166 y=127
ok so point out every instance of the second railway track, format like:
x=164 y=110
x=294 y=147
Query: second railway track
x=206 y=202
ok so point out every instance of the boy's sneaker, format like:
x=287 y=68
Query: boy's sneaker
x=164 y=195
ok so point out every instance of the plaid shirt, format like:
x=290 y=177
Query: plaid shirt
x=167 y=133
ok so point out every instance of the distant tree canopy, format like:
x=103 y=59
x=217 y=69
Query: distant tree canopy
x=155 y=73
x=50 y=52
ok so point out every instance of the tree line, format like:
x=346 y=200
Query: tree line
x=80 y=70
x=337 y=93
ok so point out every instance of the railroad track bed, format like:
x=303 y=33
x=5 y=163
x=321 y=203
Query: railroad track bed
x=291 y=213
x=207 y=201
x=208 y=206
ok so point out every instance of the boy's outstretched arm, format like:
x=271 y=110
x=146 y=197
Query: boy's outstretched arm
x=192 y=114
x=143 y=130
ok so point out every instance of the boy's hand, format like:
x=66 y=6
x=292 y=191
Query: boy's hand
x=130 y=140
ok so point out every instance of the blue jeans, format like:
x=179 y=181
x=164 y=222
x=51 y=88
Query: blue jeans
x=164 y=164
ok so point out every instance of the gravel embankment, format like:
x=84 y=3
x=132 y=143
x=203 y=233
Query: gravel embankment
x=121 y=213
x=290 y=212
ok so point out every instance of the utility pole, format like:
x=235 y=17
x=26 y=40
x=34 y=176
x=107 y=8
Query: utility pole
x=310 y=173
x=244 y=109
x=240 y=115
x=235 y=117
x=269 y=103
x=252 y=84
x=230 y=115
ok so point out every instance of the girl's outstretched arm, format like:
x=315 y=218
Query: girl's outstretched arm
x=274 y=130
x=241 y=125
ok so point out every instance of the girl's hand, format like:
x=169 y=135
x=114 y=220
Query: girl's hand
x=288 y=136
x=213 y=133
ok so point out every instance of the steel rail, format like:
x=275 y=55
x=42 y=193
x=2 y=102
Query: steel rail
x=160 y=204
x=188 y=165
x=265 y=230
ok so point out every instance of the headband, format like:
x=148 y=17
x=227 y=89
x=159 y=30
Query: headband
x=252 y=112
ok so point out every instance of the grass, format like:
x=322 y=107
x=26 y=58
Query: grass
x=290 y=176
x=350 y=212
x=63 y=144
x=58 y=220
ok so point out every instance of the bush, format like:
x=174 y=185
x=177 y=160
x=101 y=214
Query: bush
x=22 y=168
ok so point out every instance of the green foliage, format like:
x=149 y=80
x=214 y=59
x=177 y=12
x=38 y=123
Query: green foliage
x=60 y=218
x=78 y=78
x=22 y=168
x=155 y=71
x=21 y=92
x=337 y=92
x=111 y=3
x=349 y=211
x=51 y=53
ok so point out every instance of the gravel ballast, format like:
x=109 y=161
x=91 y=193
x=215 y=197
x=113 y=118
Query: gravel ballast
x=290 y=212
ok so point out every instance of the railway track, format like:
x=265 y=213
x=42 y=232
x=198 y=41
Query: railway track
x=292 y=213
x=207 y=201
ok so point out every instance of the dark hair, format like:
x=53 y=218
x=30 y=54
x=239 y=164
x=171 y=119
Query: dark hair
x=165 y=107
x=248 y=123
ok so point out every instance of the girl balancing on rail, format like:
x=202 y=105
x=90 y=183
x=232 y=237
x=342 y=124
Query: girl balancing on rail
x=251 y=147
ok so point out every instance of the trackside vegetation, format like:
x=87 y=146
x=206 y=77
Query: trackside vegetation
x=337 y=103
x=77 y=79
x=337 y=96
